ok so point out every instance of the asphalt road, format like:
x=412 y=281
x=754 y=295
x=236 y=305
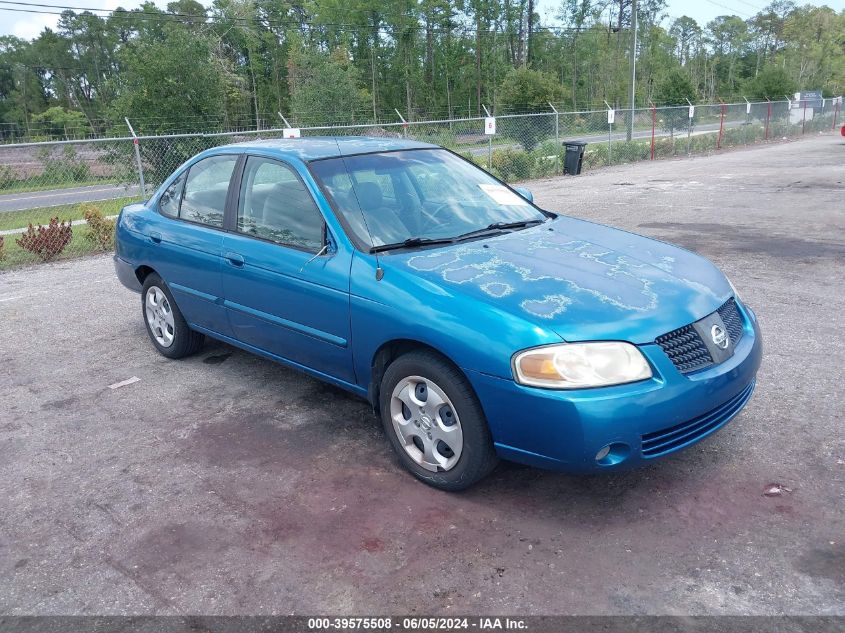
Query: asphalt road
x=54 y=197
x=226 y=484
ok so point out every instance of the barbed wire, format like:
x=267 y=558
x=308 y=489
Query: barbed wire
x=246 y=123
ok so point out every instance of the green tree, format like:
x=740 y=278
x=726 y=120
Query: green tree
x=58 y=122
x=773 y=82
x=171 y=83
x=729 y=38
x=526 y=90
x=674 y=90
x=324 y=87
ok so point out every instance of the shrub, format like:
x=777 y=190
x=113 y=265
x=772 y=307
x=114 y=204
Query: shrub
x=630 y=151
x=67 y=167
x=7 y=176
x=511 y=164
x=702 y=143
x=595 y=156
x=100 y=230
x=46 y=241
x=663 y=147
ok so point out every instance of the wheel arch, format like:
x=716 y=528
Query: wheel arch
x=388 y=352
x=142 y=272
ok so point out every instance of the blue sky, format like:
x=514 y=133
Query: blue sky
x=28 y=25
x=702 y=11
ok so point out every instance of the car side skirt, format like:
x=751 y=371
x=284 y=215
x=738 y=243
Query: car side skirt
x=357 y=390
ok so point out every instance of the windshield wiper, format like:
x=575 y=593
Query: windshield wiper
x=410 y=242
x=496 y=227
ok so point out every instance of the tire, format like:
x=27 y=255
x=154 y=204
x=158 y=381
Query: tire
x=165 y=324
x=424 y=397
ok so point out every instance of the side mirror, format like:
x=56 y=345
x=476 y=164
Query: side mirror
x=525 y=193
x=331 y=246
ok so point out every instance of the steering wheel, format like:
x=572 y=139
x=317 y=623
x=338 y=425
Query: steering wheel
x=433 y=215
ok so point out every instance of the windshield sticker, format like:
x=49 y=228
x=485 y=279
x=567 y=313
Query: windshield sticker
x=503 y=195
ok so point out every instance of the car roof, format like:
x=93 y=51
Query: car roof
x=316 y=147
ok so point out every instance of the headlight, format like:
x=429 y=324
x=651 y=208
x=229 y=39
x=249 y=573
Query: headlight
x=578 y=365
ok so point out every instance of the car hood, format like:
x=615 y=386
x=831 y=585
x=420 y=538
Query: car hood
x=582 y=280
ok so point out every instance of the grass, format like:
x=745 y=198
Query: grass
x=32 y=184
x=10 y=220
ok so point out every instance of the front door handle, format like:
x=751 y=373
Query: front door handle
x=235 y=259
x=155 y=237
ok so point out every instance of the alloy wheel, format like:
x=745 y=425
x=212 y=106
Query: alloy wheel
x=160 y=316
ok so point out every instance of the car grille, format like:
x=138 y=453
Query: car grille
x=730 y=315
x=675 y=437
x=685 y=348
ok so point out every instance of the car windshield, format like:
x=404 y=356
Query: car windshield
x=418 y=195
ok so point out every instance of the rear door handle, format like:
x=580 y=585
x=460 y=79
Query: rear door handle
x=155 y=237
x=234 y=259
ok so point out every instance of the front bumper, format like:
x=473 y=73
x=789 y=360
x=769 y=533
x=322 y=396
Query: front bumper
x=563 y=430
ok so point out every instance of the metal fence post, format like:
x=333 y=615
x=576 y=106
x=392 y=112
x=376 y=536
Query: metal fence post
x=609 y=134
x=804 y=120
x=722 y=109
x=768 y=116
x=141 y=186
x=788 y=115
x=404 y=122
x=489 y=142
x=689 y=125
x=557 y=130
x=747 y=120
x=653 y=125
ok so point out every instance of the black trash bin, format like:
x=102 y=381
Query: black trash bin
x=574 y=157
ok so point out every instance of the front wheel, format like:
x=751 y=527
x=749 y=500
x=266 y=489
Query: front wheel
x=435 y=422
x=166 y=326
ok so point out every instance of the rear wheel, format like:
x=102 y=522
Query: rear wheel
x=435 y=422
x=166 y=326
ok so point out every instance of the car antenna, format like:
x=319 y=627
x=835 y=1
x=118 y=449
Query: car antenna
x=379 y=269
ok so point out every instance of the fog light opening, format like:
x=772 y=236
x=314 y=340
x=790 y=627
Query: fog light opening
x=613 y=454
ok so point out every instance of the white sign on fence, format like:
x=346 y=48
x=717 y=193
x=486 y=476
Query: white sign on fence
x=490 y=125
x=291 y=132
x=611 y=116
x=747 y=108
x=691 y=111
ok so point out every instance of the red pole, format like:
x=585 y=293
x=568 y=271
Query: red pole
x=721 y=124
x=653 y=121
x=768 y=116
x=804 y=122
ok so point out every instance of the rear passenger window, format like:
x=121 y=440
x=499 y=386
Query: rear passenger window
x=275 y=205
x=206 y=188
x=169 y=201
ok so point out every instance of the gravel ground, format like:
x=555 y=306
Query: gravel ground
x=226 y=484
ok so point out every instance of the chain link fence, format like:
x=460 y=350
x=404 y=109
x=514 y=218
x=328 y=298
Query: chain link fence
x=59 y=199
